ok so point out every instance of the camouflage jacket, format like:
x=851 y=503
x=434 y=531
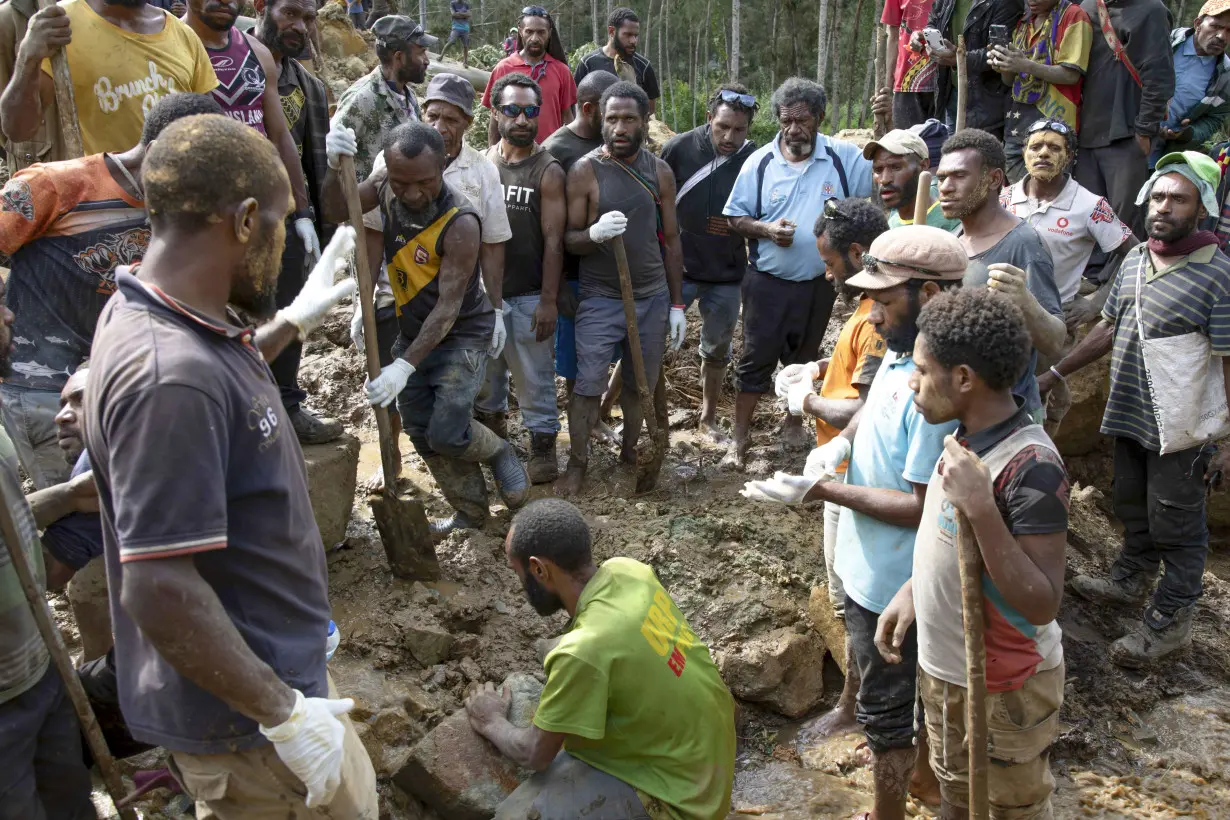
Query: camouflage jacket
x=371 y=109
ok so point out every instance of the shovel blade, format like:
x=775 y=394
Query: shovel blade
x=402 y=523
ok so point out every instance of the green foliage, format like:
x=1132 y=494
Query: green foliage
x=476 y=134
x=486 y=56
x=580 y=51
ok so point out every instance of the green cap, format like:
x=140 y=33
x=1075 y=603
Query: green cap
x=1204 y=166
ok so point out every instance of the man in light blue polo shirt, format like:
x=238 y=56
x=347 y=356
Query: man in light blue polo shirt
x=1200 y=106
x=786 y=299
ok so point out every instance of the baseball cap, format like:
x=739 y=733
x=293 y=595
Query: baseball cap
x=899 y=142
x=911 y=252
x=398 y=31
x=1205 y=166
x=451 y=89
x=1214 y=7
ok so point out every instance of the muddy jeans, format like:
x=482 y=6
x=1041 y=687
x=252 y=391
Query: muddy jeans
x=1160 y=501
x=886 y=692
x=438 y=400
x=1021 y=726
x=532 y=365
x=30 y=419
x=570 y=789
x=719 y=313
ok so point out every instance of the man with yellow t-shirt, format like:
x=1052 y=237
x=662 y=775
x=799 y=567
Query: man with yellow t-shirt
x=635 y=721
x=123 y=55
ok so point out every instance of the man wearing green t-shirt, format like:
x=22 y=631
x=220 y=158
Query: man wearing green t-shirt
x=897 y=159
x=634 y=718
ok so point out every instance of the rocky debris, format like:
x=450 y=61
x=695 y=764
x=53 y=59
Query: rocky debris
x=783 y=669
x=858 y=136
x=459 y=773
x=331 y=471
x=830 y=628
x=659 y=133
x=1079 y=433
x=426 y=641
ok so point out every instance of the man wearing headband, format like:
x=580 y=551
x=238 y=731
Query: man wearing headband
x=542 y=57
x=1200 y=106
x=1176 y=284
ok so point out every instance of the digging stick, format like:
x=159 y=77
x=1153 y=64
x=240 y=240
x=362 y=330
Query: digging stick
x=66 y=104
x=402 y=522
x=891 y=35
x=975 y=667
x=922 y=203
x=962 y=84
x=648 y=468
x=59 y=655
x=882 y=124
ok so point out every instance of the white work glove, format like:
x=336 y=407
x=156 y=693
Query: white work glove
x=356 y=326
x=339 y=142
x=610 y=225
x=306 y=229
x=796 y=396
x=392 y=380
x=310 y=744
x=824 y=461
x=498 y=336
x=679 y=327
x=793 y=374
x=782 y=488
x=319 y=293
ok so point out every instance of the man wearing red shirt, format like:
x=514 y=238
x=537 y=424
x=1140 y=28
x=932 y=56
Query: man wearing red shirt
x=915 y=81
x=541 y=55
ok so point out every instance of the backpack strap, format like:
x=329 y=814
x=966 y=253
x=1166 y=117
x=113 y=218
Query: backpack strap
x=841 y=171
x=753 y=245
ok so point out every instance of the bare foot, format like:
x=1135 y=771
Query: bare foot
x=375 y=482
x=602 y=432
x=925 y=791
x=569 y=483
x=713 y=432
x=627 y=455
x=736 y=455
x=837 y=721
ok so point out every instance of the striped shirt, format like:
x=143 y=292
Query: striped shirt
x=1193 y=295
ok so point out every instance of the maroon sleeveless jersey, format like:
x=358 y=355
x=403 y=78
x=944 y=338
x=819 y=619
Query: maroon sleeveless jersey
x=241 y=81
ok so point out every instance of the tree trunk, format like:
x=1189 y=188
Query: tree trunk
x=822 y=52
x=423 y=15
x=773 y=49
x=852 y=91
x=692 y=83
x=593 y=9
x=670 y=85
x=794 y=44
x=708 y=37
x=735 y=8
x=833 y=86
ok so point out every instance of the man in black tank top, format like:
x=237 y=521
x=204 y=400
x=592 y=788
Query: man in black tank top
x=620 y=190
x=533 y=184
x=431 y=239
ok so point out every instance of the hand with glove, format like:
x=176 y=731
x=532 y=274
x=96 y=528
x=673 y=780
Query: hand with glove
x=610 y=225
x=319 y=292
x=792 y=374
x=824 y=461
x=782 y=488
x=382 y=390
x=678 y=325
x=498 y=336
x=356 y=326
x=339 y=142
x=796 y=397
x=310 y=743
x=306 y=229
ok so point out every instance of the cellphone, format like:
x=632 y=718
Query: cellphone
x=998 y=35
x=933 y=38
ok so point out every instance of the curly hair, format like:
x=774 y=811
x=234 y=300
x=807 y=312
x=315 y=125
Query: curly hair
x=979 y=329
x=174 y=107
x=552 y=528
x=855 y=220
x=515 y=78
x=716 y=101
x=798 y=90
x=988 y=147
x=625 y=90
x=621 y=15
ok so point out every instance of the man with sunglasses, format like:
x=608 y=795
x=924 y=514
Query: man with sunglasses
x=706 y=162
x=541 y=56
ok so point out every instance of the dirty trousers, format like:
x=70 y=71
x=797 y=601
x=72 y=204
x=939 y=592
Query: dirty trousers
x=256 y=785
x=569 y=789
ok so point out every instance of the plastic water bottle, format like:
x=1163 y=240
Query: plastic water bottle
x=333 y=640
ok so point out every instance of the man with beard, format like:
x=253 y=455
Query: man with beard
x=431 y=240
x=123 y=56
x=883 y=493
x=623 y=190
x=1006 y=253
x=634 y=717
x=226 y=551
x=1177 y=283
x=68 y=226
x=786 y=299
x=897 y=158
x=706 y=163
x=542 y=58
x=533 y=185
x=620 y=57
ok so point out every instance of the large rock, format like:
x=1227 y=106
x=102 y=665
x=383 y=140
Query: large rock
x=457 y=772
x=1079 y=432
x=783 y=670
x=331 y=471
x=824 y=620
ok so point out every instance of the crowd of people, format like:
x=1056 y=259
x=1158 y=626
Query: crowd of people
x=156 y=307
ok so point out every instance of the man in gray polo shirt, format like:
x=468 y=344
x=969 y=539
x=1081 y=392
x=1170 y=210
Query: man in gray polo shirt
x=215 y=564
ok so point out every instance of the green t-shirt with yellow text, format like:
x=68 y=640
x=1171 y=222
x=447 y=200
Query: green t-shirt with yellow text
x=639 y=697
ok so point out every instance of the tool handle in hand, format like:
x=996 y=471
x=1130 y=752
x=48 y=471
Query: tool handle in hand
x=974 y=617
x=66 y=103
x=962 y=84
x=922 y=204
x=634 y=334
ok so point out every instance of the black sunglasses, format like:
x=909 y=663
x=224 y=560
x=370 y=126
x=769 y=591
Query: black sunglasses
x=830 y=210
x=746 y=100
x=511 y=110
x=534 y=11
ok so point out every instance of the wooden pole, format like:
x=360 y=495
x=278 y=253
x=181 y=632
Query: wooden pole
x=66 y=103
x=974 y=616
x=882 y=124
x=59 y=655
x=962 y=84
x=922 y=203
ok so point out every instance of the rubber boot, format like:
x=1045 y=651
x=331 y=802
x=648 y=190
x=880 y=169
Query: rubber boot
x=463 y=486
x=1132 y=590
x=1157 y=637
x=495 y=422
x=498 y=454
x=544 y=465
